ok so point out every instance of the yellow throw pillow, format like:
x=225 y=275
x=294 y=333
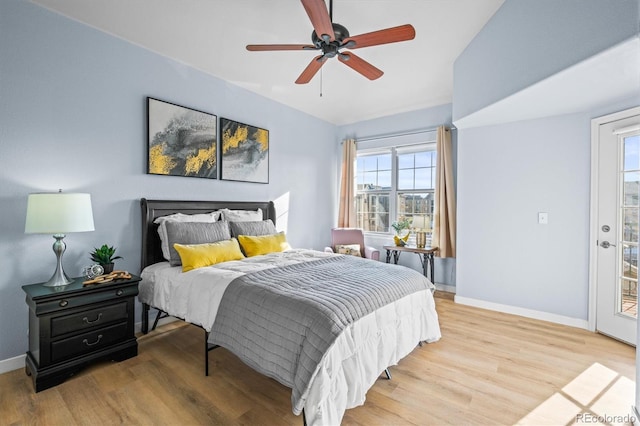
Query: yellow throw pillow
x=264 y=244
x=195 y=256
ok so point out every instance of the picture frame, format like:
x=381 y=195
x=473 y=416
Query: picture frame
x=244 y=152
x=182 y=141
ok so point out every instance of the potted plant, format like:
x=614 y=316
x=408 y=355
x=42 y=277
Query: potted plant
x=105 y=257
x=402 y=227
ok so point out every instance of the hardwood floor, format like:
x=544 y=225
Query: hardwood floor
x=489 y=368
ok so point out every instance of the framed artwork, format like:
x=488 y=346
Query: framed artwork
x=245 y=152
x=182 y=141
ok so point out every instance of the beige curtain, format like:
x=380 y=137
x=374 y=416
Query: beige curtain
x=444 y=230
x=347 y=209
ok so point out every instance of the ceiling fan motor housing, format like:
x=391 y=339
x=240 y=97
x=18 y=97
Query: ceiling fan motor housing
x=331 y=48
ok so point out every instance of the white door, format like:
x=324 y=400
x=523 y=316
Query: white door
x=618 y=190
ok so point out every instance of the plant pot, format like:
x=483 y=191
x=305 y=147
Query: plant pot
x=108 y=268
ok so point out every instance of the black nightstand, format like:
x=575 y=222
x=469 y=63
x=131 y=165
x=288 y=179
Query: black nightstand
x=72 y=326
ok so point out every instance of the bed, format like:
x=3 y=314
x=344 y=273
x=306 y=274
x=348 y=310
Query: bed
x=277 y=313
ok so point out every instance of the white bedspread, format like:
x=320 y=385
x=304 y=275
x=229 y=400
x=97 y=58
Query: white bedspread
x=355 y=360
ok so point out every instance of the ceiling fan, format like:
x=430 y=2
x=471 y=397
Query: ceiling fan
x=331 y=38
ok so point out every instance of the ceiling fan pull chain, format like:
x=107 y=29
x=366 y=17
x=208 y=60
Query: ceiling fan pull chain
x=320 y=82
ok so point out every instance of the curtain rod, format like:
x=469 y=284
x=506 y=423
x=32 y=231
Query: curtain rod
x=395 y=135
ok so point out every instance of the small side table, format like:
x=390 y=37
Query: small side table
x=426 y=257
x=74 y=325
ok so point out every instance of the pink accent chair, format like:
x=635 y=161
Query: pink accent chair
x=352 y=236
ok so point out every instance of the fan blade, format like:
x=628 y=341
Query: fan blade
x=389 y=35
x=311 y=69
x=319 y=16
x=360 y=65
x=269 y=47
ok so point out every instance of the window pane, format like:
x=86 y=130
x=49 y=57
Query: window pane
x=631 y=188
x=630 y=232
x=423 y=179
x=369 y=181
x=372 y=212
x=370 y=163
x=631 y=156
x=405 y=179
x=384 y=180
x=423 y=159
x=406 y=161
x=384 y=162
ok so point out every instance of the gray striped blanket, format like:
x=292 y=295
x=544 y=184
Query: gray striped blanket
x=281 y=321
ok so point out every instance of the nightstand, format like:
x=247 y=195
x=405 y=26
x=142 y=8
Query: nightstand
x=73 y=325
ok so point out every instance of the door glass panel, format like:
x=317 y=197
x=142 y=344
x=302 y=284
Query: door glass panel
x=628 y=281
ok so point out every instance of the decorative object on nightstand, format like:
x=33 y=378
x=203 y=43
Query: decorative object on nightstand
x=58 y=214
x=421 y=227
x=72 y=326
x=403 y=229
x=105 y=256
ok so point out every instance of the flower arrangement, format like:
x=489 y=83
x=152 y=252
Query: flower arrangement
x=400 y=225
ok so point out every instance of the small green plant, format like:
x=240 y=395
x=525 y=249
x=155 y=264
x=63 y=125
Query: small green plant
x=104 y=255
x=401 y=224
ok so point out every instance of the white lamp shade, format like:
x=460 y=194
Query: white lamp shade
x=58 y=213
x=419 y=222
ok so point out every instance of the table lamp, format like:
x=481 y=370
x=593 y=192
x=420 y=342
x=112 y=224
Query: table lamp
x=58 y=214
x=420 y=225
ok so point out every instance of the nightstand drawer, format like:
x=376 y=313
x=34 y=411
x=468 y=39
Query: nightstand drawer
x=87 y=342
x=89 y=318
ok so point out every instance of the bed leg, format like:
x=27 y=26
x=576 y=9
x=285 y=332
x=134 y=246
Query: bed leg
x=304 y=418
x=145 y=318
x=388 y=373
x=155 y=323
x=206 y=353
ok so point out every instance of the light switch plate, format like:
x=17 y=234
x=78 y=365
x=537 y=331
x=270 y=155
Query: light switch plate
x=543 y=218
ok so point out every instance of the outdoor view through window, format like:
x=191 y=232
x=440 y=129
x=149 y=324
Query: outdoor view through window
x=394 y=184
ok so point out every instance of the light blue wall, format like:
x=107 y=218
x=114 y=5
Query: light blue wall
x=527 y=41
x=510 y=172
x=427 y=118
x=73 y=116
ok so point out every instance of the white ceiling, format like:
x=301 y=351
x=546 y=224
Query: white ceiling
x=211 y=35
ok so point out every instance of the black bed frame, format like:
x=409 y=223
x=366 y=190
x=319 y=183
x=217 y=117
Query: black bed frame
x=151 y=246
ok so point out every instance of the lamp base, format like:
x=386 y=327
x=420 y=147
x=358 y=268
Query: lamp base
x=421 y=239
x=59 y=278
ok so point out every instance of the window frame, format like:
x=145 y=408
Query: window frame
x=394 y=192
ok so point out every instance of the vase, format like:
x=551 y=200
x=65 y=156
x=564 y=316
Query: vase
x=108 y=268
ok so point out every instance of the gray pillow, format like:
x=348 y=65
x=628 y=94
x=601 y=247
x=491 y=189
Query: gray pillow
x=194 y=233
x=254 y=228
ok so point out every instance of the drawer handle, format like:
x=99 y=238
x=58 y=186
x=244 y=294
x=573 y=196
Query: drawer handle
x=63 y=303
x=119 y=292
x=86 y=342
x=85 y=319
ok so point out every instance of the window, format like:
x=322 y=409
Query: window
x=395 y=182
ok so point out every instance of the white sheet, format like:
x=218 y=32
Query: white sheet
x=354 y=361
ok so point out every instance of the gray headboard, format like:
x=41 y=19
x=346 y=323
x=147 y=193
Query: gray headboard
x=151 y=209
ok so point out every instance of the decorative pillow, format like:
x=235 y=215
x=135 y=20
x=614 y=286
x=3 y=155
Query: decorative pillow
x=180 y=217
x=194 y=233
x=263 y=227
x=242 y=215
x=195 y=256
x=350 y=249
x=264 y=244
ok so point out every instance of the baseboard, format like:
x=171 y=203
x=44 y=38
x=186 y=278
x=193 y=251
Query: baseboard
x=446 y=287
x=523 y=312
x=11 y=364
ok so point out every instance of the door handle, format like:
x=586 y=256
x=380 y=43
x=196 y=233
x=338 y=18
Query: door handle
x=606 y=244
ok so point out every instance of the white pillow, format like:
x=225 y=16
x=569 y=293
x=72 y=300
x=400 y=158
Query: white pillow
x=242 y=215
x=180 y=217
